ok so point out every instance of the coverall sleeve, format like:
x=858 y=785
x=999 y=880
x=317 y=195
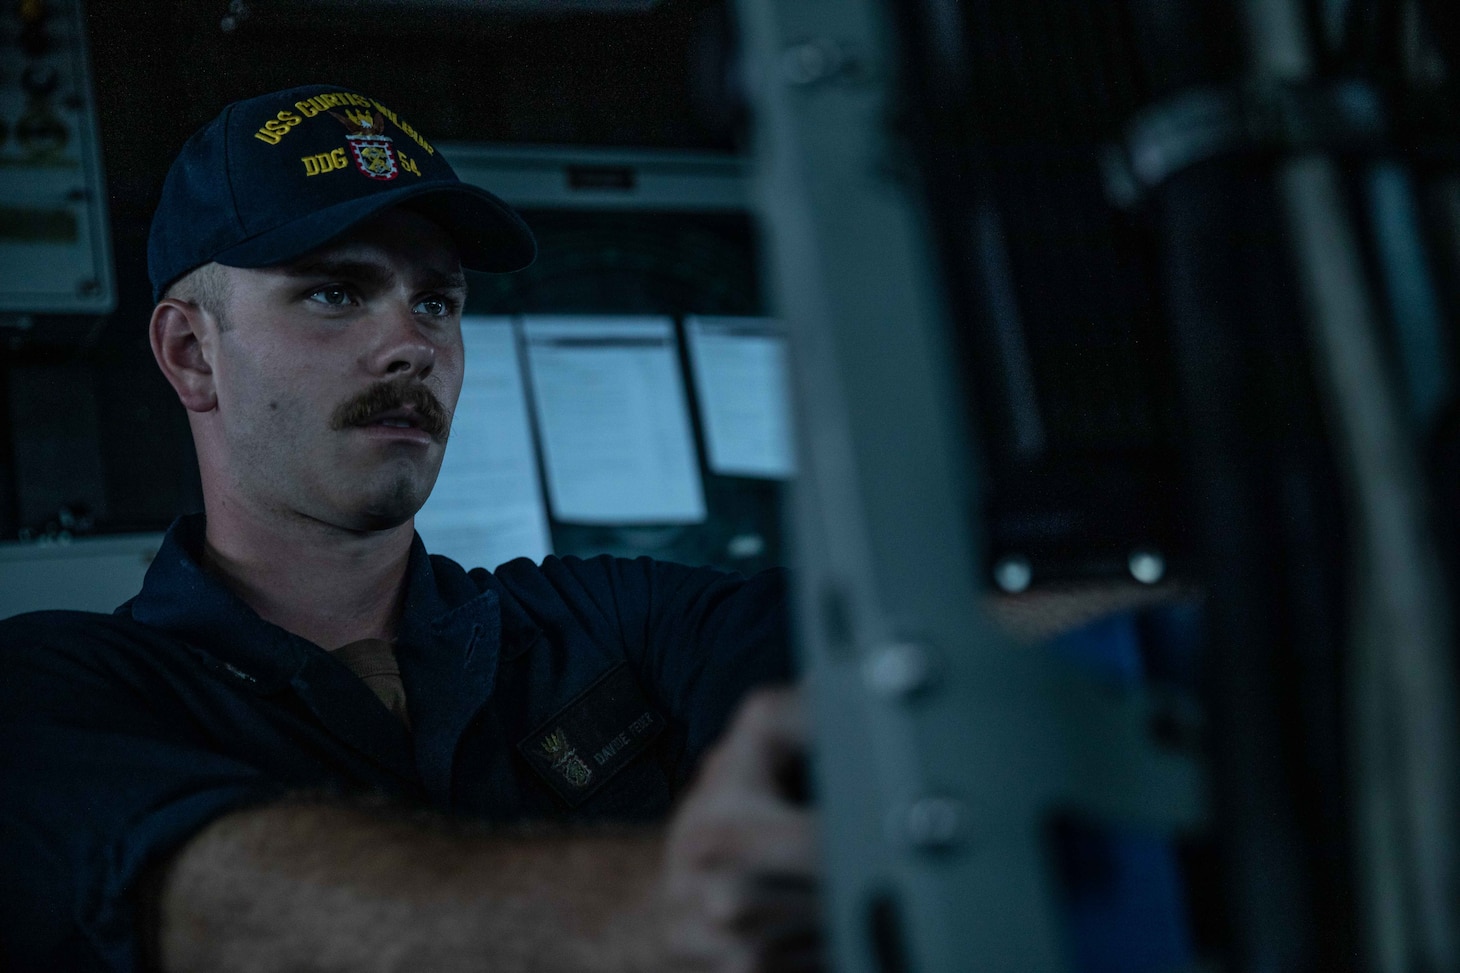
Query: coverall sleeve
x=104 y=772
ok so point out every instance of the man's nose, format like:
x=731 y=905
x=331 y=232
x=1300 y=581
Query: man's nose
x=403 y=347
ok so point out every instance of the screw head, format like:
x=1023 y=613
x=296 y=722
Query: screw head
x=811 y=61
x=1147 y=566
x=899 y=669
x=930 y=823
x=1013 y=574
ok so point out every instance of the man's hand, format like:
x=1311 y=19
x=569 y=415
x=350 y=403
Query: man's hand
x=740 y=889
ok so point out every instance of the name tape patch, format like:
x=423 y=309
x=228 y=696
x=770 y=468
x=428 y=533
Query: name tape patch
x=595 y=736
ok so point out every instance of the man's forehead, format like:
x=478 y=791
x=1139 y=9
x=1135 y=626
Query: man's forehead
x=397 y=240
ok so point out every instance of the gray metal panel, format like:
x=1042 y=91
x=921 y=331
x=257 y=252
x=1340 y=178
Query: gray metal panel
x=55 y=250
x=544 y=177
x=936 y=788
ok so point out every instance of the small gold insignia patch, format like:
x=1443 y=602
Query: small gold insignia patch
x=565 y=758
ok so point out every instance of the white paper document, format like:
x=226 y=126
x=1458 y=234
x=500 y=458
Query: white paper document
x=741 y=381
x=487 y=507
x=613 y=421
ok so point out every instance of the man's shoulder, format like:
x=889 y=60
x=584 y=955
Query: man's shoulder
x=51 y=637
x=599 y=578
x=44 y=626
x=617 y=587
x=598 y=570
x=548 y=587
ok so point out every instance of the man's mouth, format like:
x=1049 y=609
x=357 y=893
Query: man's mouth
x=396 y=419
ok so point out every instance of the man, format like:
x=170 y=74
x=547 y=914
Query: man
x=308 y=745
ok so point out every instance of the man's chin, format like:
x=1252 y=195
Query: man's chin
x=392 y=507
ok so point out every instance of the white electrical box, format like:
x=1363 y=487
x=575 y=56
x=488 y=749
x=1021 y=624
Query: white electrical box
x=55 y=238
x=88 y=574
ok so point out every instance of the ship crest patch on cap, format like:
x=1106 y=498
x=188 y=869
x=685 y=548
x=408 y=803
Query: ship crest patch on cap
x=373 y=150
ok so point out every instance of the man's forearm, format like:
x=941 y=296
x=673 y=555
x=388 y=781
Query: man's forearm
x=323 y=886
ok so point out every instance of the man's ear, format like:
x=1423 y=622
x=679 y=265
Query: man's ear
x=177 y=331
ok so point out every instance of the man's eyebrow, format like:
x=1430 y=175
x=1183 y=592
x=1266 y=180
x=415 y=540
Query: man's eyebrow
x=441 y=280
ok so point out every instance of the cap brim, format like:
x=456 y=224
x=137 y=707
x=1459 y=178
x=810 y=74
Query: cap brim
x=488 y=233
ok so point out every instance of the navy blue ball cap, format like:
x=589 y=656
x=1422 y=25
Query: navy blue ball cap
x=274 y=177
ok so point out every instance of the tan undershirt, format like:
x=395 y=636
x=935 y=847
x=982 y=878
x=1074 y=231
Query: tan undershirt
x=373 y=660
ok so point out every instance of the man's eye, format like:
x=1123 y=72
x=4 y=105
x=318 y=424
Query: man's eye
x=333 y=296
x=436 y=307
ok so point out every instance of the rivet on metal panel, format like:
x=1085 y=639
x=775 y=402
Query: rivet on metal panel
x=1147 y=566
x=1013 y=574
x=817 y=60
x=898 y=670
x=930 y=823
